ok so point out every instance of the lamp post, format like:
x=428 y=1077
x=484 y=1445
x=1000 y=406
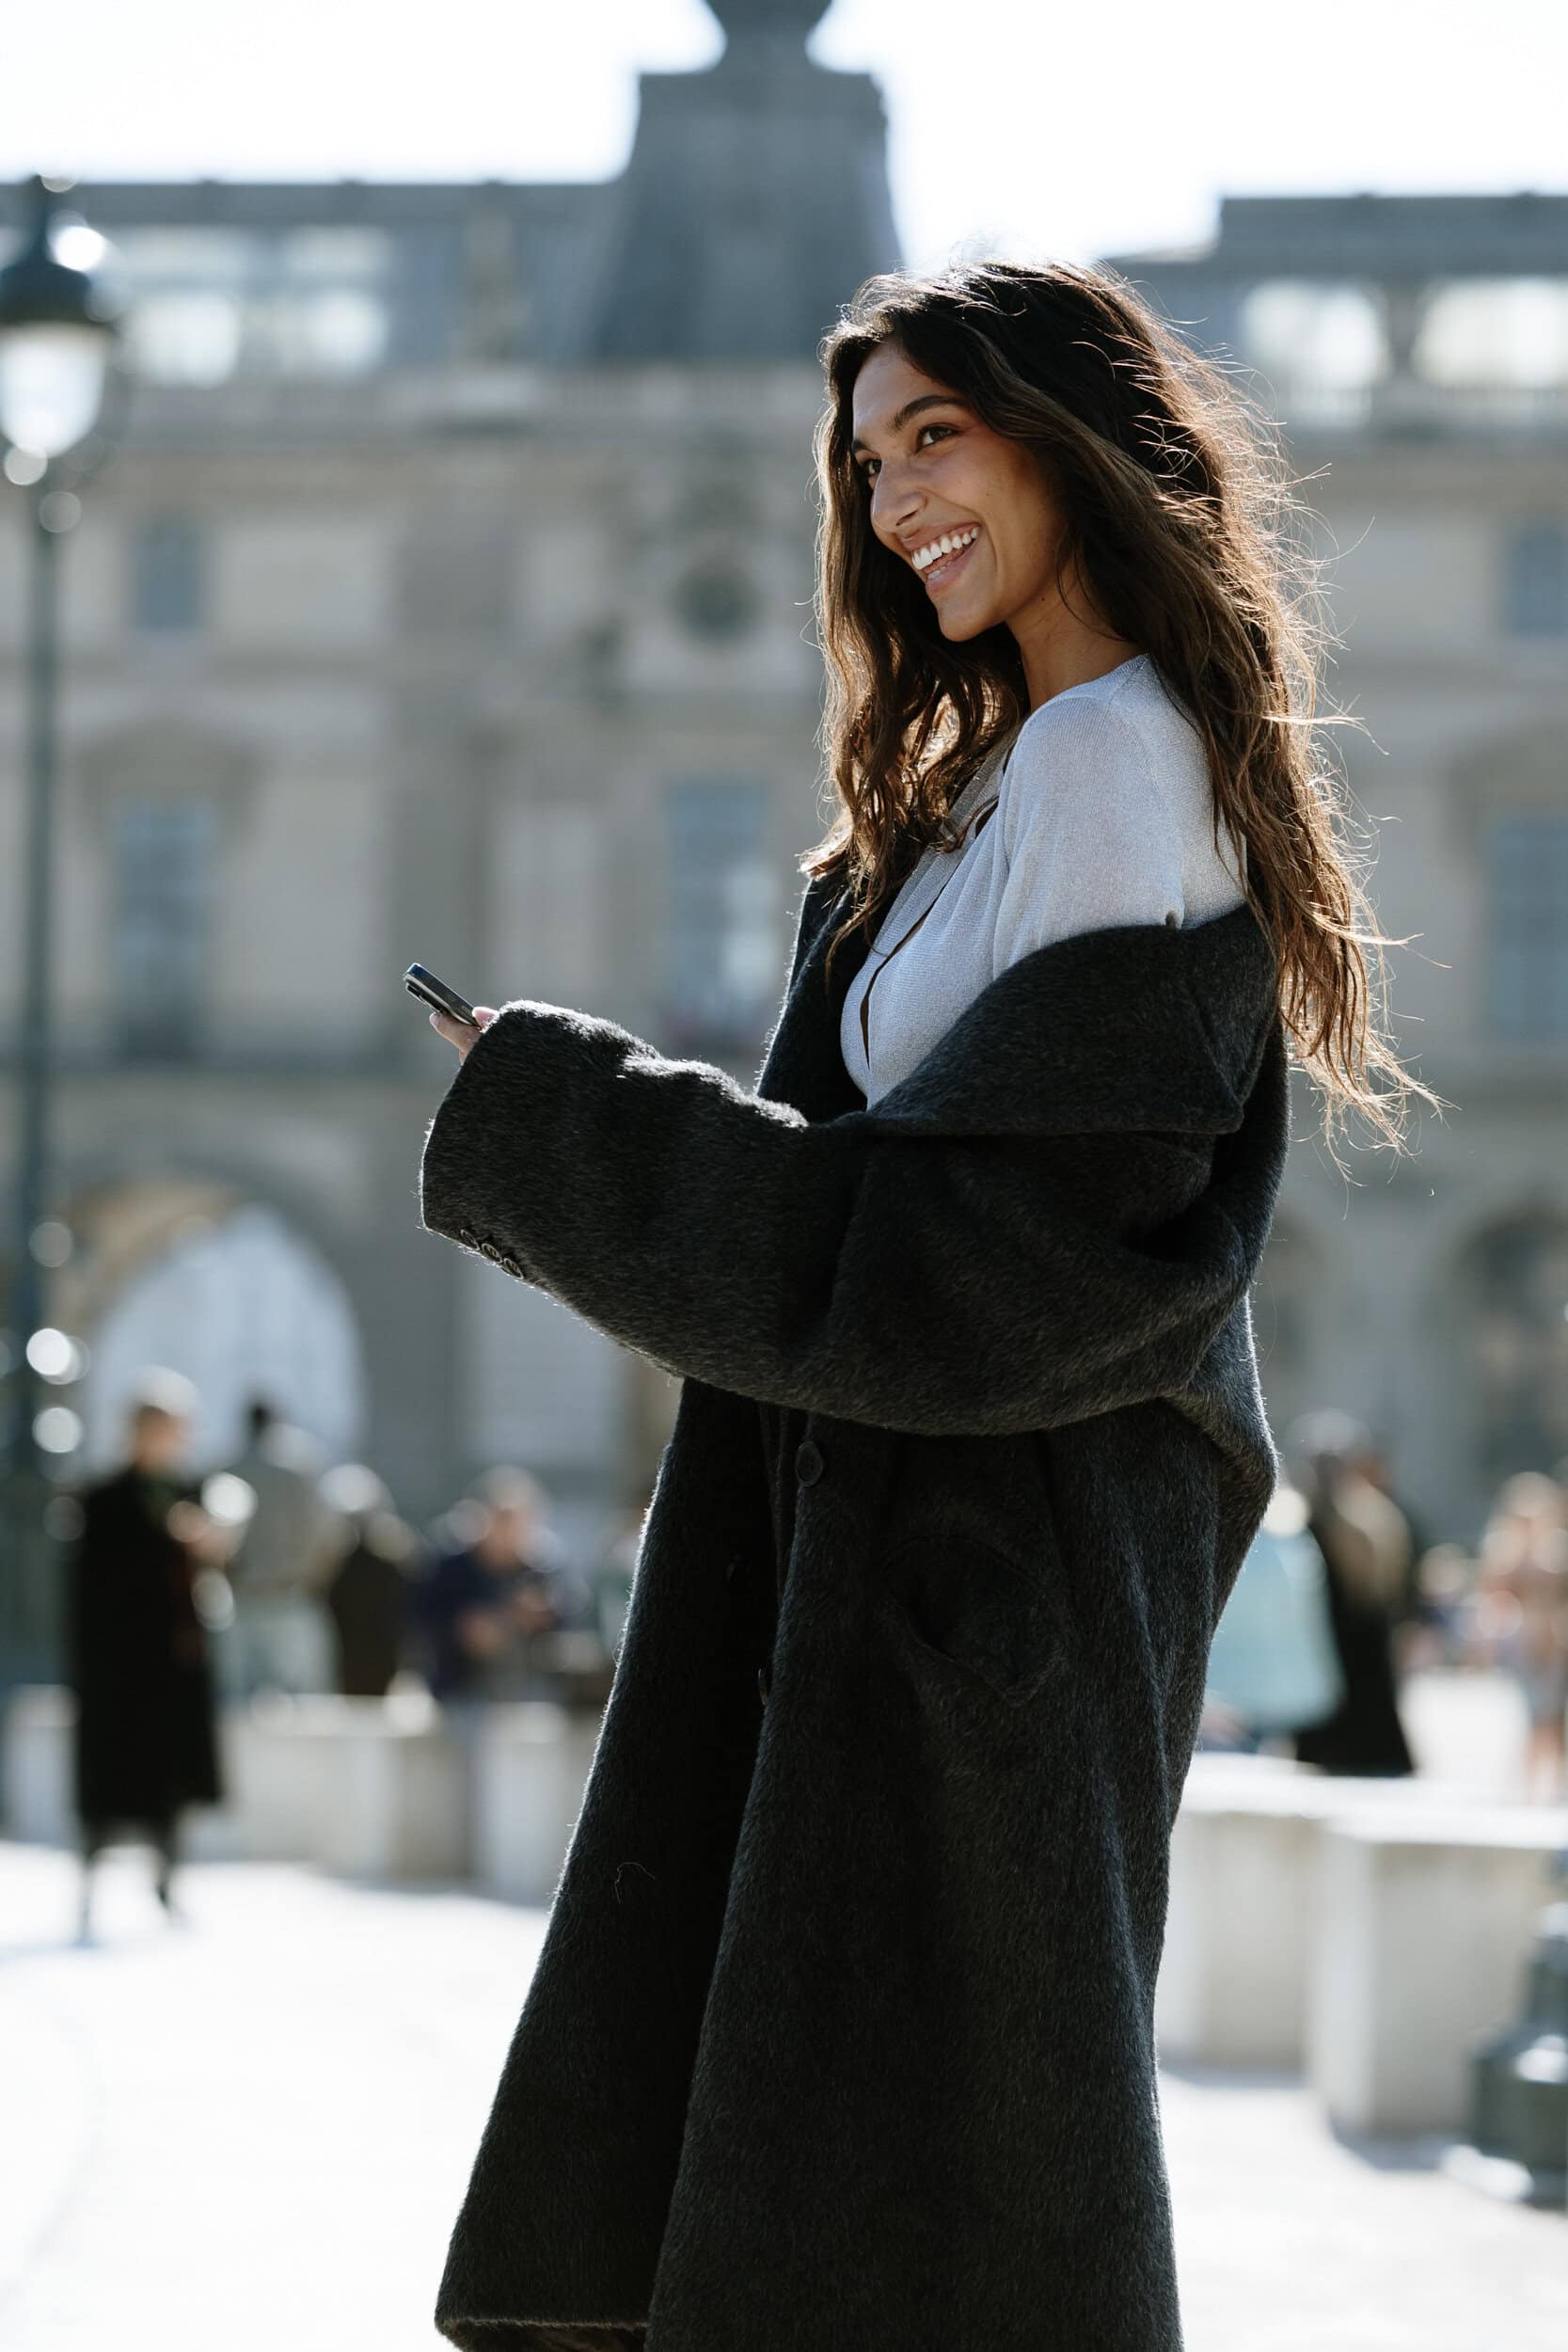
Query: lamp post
x=59 y=344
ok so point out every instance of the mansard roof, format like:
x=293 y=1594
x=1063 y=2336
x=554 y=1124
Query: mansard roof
x=755 y=202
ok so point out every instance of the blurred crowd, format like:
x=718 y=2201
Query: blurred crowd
x=1344 y=1594
x=283 y=1574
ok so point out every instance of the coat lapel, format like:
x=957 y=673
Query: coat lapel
x=1136 y=1027
x=804 y=1065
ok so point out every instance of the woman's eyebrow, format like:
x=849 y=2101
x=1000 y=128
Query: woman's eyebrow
x=912 y=407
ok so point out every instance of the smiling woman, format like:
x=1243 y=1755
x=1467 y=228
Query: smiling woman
x=841 y=2031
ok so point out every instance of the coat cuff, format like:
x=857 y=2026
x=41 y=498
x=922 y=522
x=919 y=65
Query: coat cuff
x=506 y=1111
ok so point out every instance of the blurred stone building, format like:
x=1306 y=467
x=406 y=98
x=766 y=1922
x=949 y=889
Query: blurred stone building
x=1418 y=349
x=449 y=599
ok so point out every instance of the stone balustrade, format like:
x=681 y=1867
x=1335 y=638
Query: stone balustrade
x=1426 y=1920
x=1363 y=1933
x=373 y=1789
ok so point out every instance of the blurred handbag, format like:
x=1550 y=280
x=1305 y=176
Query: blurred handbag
x=1273 y=1658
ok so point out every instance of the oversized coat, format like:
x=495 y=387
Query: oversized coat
x=841 y=2035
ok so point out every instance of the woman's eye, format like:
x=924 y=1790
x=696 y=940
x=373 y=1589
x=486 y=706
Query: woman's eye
x=868 y=463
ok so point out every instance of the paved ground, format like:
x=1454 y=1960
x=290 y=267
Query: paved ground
x=250 y=2135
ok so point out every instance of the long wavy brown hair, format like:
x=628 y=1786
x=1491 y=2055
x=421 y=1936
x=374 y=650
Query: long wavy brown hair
x=1181 y=520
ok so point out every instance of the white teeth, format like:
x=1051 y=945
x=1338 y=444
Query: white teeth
x=925 y=557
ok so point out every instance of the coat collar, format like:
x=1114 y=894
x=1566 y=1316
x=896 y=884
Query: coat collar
x=804 y=1065
x=1137 y=1026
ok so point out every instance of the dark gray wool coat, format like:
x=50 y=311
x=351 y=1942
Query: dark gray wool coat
x=840 y=2038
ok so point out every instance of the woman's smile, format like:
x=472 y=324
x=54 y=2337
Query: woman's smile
x=944 y=570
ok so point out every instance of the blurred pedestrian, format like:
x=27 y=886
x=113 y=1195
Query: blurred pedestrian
x=369 y=1595
x=1522 y=1618
x=1365 y=1543
x=501 y=1582
x=145 y=1745
x=495 y=1591
x=1447 y=1579
x=1418 y=1625
x=282 y=1638
x=1273 y=1667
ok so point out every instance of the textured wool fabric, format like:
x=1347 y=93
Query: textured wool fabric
x=841 y=2035
x=1101 y=813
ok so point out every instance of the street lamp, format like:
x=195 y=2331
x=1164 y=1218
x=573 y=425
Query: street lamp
x=58 y=375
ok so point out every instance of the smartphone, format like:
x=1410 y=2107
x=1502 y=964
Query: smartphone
x=423 y=984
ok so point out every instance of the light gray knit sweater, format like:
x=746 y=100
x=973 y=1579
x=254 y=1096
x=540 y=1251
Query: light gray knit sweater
x=1099 y=812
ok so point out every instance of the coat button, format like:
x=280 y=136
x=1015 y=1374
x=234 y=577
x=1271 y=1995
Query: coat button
x=763 y=1683
x=808 y=1462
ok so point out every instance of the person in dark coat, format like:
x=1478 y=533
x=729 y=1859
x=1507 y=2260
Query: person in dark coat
x=490 y=1593
x=368 y=1594
x=842 y=2030
x=486 y=1608
x=1365 y=1542
x=145 y=1744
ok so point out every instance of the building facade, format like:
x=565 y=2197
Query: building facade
x=450 y=599
x=1417 y=350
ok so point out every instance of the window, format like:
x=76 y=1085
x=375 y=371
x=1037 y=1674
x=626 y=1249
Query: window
x=164 y=867
x=715 y=600
x=1527 y=910
x=184 y=338
x=319 y=330
x=724 y=973
x=1320 y=337
x=1535 y=581
x=208 y=304
x=1514 y=1279
x=192 y=255
x=166 y=573
x=1485 y=331
x=186 y=320
x=342 y=255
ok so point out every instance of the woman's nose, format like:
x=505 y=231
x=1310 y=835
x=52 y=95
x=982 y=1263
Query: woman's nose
x=894 y=520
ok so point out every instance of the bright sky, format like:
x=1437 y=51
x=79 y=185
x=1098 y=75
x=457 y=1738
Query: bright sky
x=1068 y=131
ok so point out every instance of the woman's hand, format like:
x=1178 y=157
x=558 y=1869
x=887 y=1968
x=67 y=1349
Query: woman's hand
x=458 y=1033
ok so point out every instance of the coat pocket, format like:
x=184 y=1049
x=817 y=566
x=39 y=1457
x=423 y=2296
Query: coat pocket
x=971 y=1610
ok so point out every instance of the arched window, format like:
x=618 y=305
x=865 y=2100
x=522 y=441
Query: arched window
x=241 y=1304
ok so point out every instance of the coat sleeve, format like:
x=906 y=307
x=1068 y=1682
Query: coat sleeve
x=979 y=1284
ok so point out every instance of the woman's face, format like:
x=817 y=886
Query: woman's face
x=941 y=471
